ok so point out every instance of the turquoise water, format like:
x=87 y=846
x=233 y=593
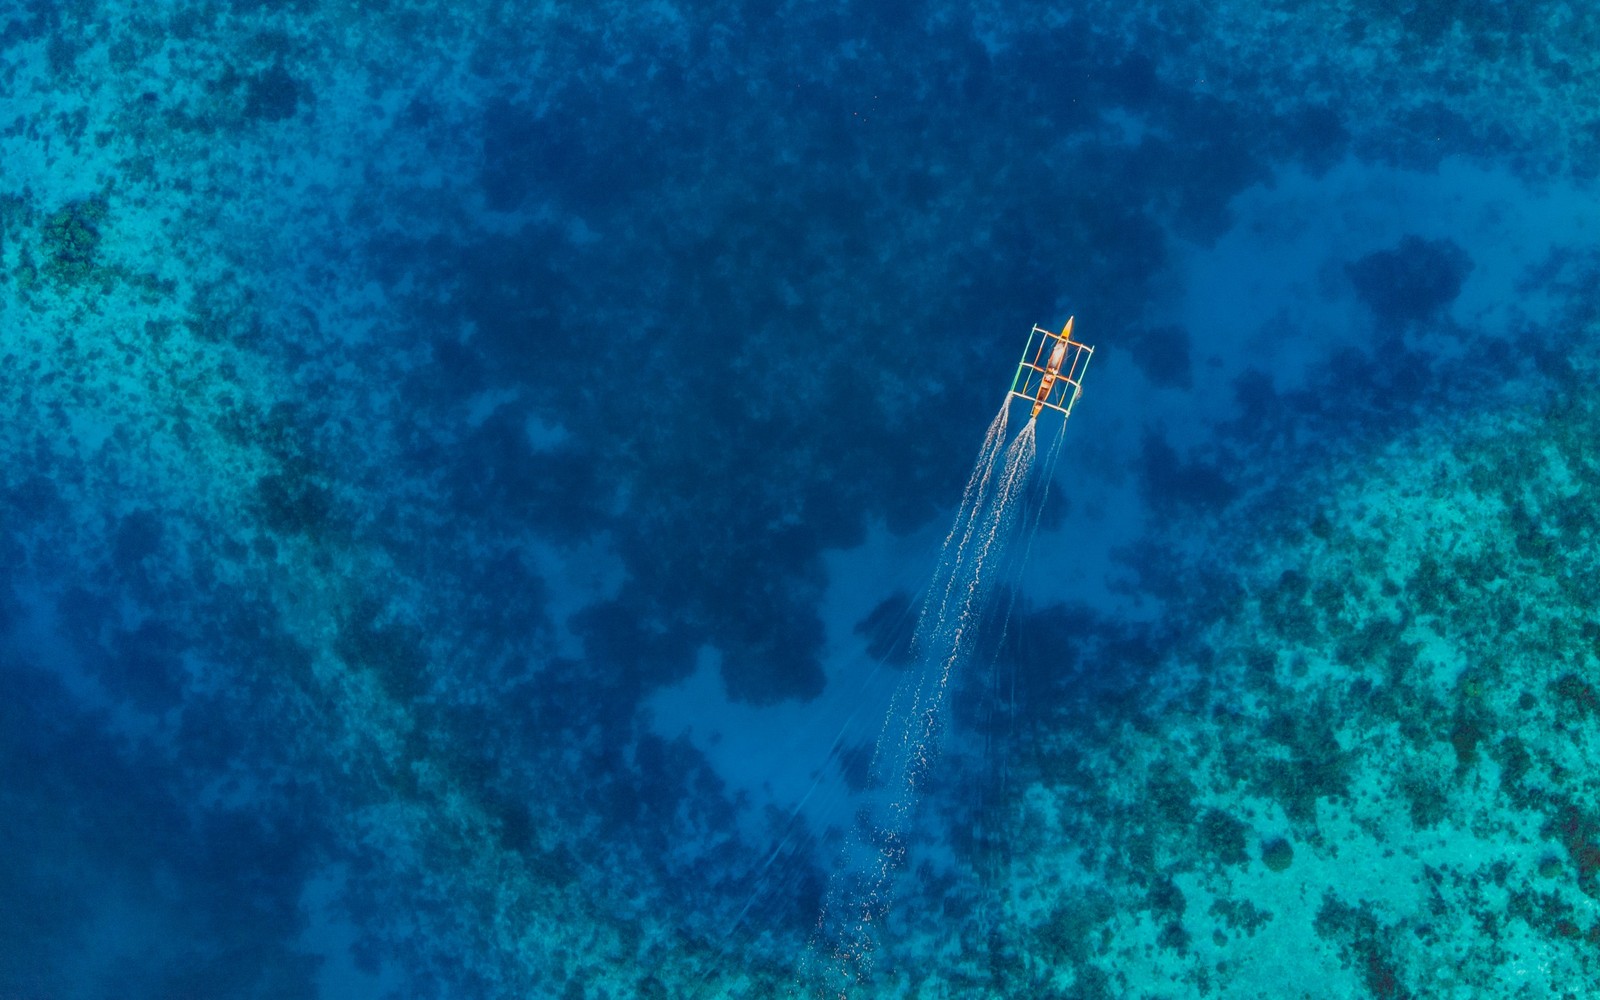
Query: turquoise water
x=471 y=473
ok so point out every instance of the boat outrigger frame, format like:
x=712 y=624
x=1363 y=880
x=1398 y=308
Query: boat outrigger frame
x=1050 y=374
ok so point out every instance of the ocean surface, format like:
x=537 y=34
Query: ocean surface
x=521 y=500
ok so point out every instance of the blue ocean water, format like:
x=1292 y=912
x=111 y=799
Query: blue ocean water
x=473 y=475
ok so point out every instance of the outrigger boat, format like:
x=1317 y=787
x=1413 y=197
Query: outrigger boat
x=1052 y=382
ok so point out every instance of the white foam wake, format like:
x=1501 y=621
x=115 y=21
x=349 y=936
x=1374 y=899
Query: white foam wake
x=846 y=938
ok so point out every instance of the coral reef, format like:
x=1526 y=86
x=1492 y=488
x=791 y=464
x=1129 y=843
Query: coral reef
x=1413 y=282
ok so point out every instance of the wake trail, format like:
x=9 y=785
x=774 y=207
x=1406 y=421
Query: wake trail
x=857 y=904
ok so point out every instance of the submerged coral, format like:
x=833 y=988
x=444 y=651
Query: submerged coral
x=1413 y=282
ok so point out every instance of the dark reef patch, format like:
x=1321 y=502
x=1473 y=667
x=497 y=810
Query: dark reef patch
x=138 y=537
x=888 y=628
x=1223 y=837
x=1225 y=162
x=1072 y=661
x=1412 y=283
x=620 y=637
x=273 y=95
x=1162 y=353
x=370 y=638
x=592 y=150
x=1578 y=830
x=497 y=470
x=1317 y=136
x=294 y=502
x=1365 y=943
x=1168 y=481
x=1132 y=81
x=855 y=766
x=1277 y=854
x=71 y=240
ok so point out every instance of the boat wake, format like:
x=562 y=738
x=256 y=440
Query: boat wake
x=975 y=557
